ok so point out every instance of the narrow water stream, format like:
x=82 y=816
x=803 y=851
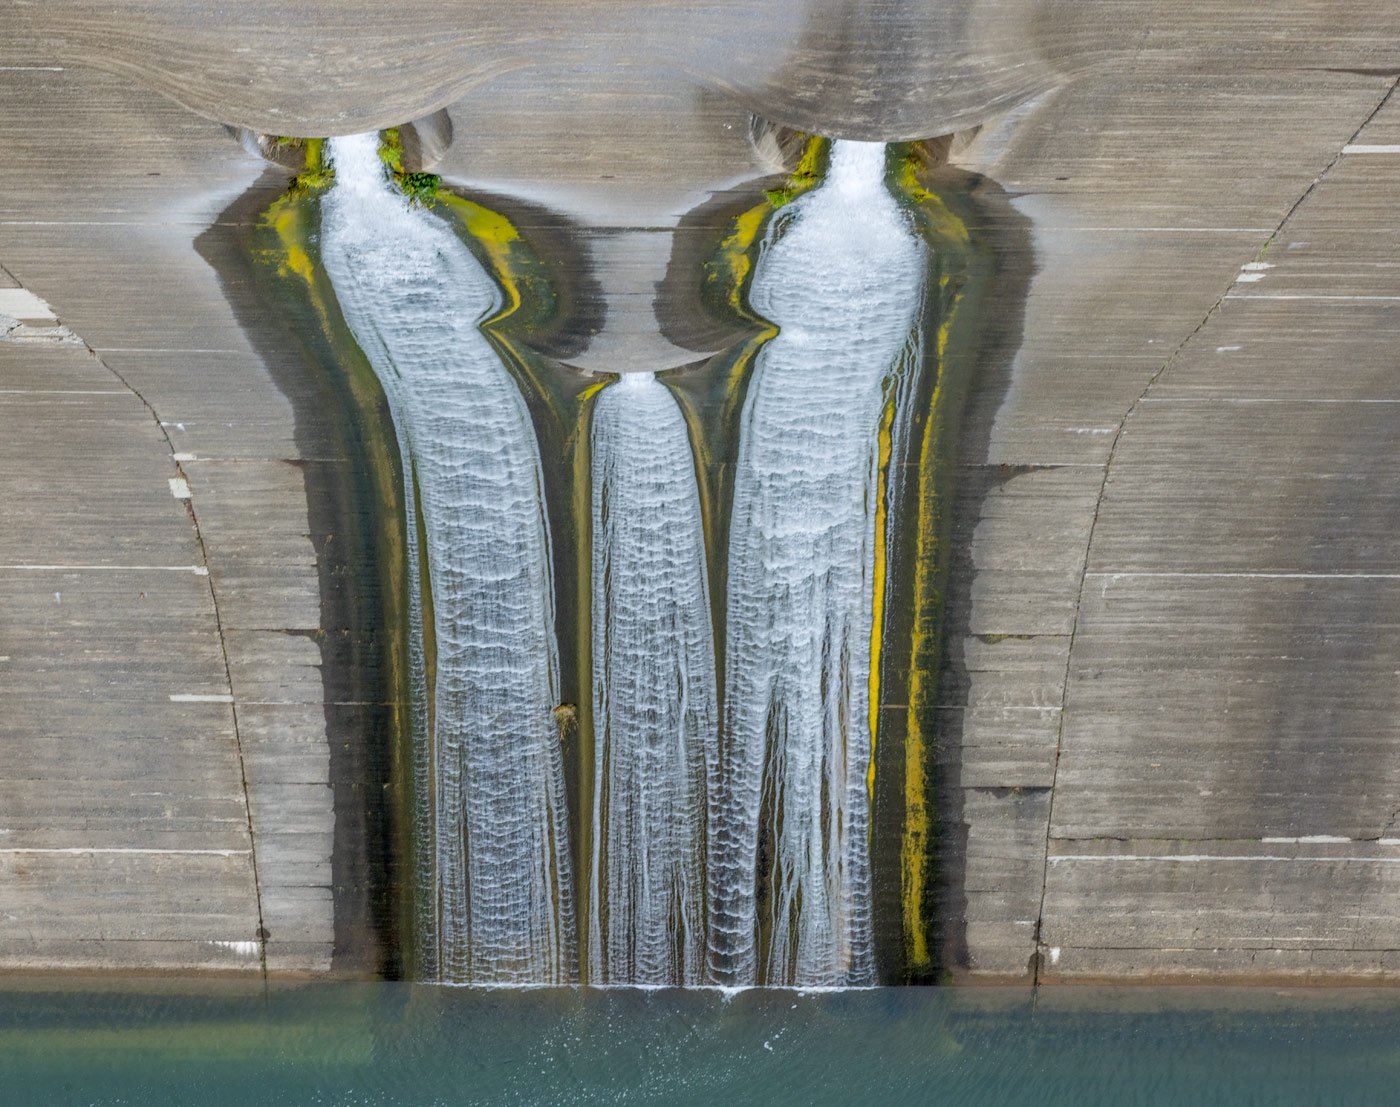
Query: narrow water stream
x=654 y=698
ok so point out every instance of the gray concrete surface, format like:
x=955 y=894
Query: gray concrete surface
x=884 y=69
x=1171 y=751
x=164 y=788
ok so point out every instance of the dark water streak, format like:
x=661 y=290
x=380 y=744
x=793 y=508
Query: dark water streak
x=354 y=515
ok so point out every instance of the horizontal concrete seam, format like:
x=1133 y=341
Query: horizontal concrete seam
x=996 y=706
x=200 y=223
x=1309 y=296
x=1192 y=858
x=1166 y=230
x=1305 y=839
x=1223 y=948
x=197 y=570
x=85 y=850
x=1243 y=574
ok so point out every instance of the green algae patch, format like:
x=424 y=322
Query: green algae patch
x=422 y=189
x=727 y=274
x=318 y=174
x=806 y=176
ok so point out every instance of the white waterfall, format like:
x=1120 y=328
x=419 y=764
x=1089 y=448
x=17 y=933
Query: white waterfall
x=654 y=713
x=841 y=274
x=492 y=781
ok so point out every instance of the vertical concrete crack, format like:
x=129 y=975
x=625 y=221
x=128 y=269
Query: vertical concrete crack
x=223 y=651
x=1037 y=958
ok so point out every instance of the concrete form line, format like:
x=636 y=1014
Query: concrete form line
x=130 y=850
x=101 y=223
x=1332 y=839
x=1371 y=148
x=1195 y=857
x=1108 y=574
x=998 y=706
x=1170 y=230
x=61 y=392
x=1254 y=400
x=197 y=570
x=1103 y=490
x=1308 y=296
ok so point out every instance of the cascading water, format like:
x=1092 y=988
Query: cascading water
x=495 y=860
x=841 y=274
x=654 y=713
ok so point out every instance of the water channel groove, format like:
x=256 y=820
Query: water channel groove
x=654 y=696
x=725 y=836
x=841 y=275
x=494 y=838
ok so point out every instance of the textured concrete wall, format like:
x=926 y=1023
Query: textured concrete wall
x=1169 y=740
x=164 y=766
x=1172 y=736
x=882 y=69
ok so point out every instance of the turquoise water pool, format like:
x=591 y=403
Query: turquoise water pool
x=213 y=1044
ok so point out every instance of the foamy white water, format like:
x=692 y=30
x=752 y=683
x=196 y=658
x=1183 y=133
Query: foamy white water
x=841 y=274
x=491 y=778
x=654 y=713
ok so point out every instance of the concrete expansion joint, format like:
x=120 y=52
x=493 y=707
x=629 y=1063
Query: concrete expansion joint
x=179 y=489
x=1039 y=953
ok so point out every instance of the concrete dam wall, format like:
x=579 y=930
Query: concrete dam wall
x=980 y=569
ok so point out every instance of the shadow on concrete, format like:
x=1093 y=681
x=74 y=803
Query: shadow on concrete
x=1002 y=239
x=344 y=518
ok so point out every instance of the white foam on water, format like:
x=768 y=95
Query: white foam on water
x=491 y=774
x=841 y=274
x=654 y=700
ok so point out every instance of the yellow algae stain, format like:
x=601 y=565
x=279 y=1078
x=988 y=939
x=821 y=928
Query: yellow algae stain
x=733 y=265
x=877 y=622
x=914 y=845
x=952 y=248
x=499 y=239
